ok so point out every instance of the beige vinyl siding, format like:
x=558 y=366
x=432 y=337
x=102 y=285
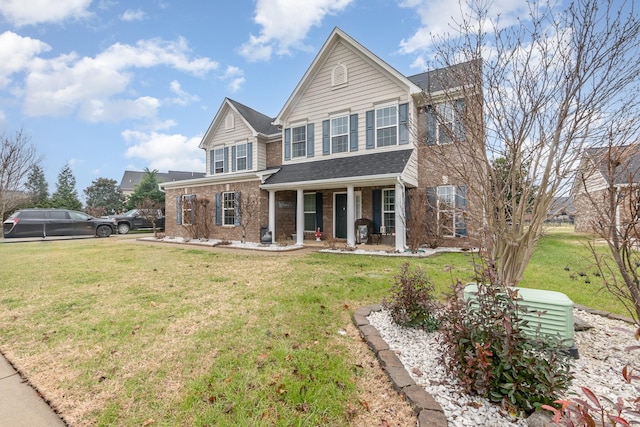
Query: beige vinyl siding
x=259 y=155
x=367 y=86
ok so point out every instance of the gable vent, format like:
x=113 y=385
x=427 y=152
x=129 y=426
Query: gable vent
x=339 y=75
x=229 y=122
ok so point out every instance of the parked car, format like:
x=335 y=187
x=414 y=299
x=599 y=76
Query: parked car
x=55 y=222
x=135 y=219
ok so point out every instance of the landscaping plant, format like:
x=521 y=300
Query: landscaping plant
x=485 y=347
x=412 y=302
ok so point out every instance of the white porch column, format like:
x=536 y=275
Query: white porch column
x=351 y=217
x=401 y=229
x=300 y=217
x=272 y=215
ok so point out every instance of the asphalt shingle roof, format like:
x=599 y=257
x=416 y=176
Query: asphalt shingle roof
x=627 y=169
x=132 y=178
x=446 y=78
x=388 y=162
x=258 y=121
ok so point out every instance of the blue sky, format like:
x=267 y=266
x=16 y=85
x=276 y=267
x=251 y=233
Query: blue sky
x=108 y=86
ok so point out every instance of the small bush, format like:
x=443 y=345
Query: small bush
x=486 y=349
x=412 y=303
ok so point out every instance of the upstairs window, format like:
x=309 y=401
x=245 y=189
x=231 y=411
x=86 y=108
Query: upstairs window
x=241 y=157
x=299 y=141
x=387 y=126
x=218 y=160
x=444 y=122
x=340 y=134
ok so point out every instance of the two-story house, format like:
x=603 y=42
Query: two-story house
x=351 y=142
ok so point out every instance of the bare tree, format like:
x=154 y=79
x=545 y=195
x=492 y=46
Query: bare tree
x=17 y=157
x=248 y=210
x=549 y=85
x=197 y=217
x=151 y=210
x=607 y=193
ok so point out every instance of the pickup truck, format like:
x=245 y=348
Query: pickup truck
x=135 y=220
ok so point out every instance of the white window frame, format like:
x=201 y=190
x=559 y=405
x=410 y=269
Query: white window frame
x=229 y=205
x=218 y=152
x=389 y=215
x=446 y=118
x=447 y=208
x=299 y=143
x=345 y=134
x=245 y=145
x=309 y=212
x=186 y=208
x=383 y=122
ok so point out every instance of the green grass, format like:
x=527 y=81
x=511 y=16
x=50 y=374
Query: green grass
x=116 y=332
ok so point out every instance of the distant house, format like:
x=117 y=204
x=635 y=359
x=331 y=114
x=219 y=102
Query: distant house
x=350 y=143
x=604 y=169
x=561 y=210
x=132 y=178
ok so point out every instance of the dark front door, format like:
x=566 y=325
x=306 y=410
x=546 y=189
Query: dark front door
x=340 y=229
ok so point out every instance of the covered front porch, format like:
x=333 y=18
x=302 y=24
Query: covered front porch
x=331 y=195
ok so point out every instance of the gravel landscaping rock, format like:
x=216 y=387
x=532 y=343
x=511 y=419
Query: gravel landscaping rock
x=602 y=358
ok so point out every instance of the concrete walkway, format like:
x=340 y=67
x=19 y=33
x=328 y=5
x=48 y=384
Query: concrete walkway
x=20 y=404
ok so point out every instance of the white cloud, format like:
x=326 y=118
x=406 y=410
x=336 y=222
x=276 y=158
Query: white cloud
x=91 y=85
x=235 y=77
x=285 y=24
x=165 y=151
x=131 y=15
x=30 y=12
x=436 y=18
x=16 y=53
x=183 y=98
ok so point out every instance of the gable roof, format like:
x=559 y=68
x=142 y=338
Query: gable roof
x=260 y=124
x=451 y=77
x=627 y=167
x=339 y=36
x=389 y=164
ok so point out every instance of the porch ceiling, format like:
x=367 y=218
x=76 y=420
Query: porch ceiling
x=382 y=168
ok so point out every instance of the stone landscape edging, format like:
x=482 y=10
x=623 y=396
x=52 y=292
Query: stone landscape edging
x=428 y=411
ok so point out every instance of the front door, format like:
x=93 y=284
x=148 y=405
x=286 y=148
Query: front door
x=340 y=224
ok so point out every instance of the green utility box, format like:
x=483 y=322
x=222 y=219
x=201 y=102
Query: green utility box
x=555 y=311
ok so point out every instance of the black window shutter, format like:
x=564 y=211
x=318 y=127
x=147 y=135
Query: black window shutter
x=218 y=209
x=326 y=140
x=178 y=210
x=460 y=111
x=249 y=156
x=225 y=168
x=287 y=144
x=430 y=117
x=461 y=205
x=370 y=118
x=310 y=140
x=353 y=132
x=233 y=158
x=403 y=131
x=212 y=160
x=236 y=207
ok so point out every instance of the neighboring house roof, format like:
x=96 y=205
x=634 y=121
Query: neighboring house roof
x=387 y=163
x=337 y=36
x=132 y=178
x=562 y=206
x=627 y=163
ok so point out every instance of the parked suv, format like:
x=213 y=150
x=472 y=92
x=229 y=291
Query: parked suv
x=55 y=222
x=135 y=219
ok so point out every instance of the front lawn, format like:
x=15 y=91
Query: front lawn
x=119 y=332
